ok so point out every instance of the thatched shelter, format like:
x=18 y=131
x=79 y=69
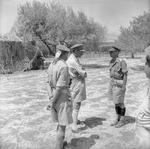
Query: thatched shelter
x=11 y=51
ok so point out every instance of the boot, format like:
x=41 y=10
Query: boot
x=122 y=118
x=121 y=122
x=115 y=122
x=64 y=144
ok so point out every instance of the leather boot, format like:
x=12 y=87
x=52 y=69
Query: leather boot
x=121 y=122
x=115 y=122
x=122 y=119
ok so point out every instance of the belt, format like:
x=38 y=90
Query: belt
x=116 y=78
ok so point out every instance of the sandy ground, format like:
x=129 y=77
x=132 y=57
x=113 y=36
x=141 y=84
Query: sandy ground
x=26 y=124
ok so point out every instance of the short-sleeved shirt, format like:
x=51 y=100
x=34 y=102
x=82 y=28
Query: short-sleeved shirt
x=74 y=63
x=78 y=86
x=118 y=68
x=58 y=74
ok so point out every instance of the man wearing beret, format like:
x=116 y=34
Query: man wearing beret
x=117 y=87
x=77 y=88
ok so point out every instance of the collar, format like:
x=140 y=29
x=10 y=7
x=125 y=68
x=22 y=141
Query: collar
x=116 y=61
x=75 y=58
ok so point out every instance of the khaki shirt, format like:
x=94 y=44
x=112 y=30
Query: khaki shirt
x=74 y=65
x=58 y=74
x=78 y=87
x=118 y=69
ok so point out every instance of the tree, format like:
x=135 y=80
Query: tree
x=129 y=42
x=52 y=24
x=137 y=36
x=141 y=27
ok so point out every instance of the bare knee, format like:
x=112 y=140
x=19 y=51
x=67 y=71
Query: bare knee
x=76 y=106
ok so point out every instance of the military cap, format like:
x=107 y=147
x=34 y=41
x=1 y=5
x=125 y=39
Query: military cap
x=77 y=47
x=114 y=49
x=62 y=48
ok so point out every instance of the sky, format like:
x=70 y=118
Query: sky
x=109 y=13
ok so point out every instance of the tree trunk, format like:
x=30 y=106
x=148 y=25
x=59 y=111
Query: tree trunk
x=50 y=50
x=132 y=55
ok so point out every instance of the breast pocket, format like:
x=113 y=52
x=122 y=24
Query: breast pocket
x=118 y=72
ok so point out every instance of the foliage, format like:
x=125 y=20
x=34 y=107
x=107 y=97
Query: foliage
x=52 y=24
x=137 y=36
x=129 y=41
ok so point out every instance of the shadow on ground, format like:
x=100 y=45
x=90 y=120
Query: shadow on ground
x=94 y=121
x=92 y=66
x=129 y=119
x=83 y=142
x=137 y=57
x=138 y=68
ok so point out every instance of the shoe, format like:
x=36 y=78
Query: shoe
x=64 y=145
x=120 y=123
x=75 y=130
x=115 y=122
x=80 y=122
x=80 y=126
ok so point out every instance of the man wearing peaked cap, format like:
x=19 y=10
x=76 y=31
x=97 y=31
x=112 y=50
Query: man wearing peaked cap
x=62 y=48
x=113 y=48
x=117 y=86
x=59 y=95
x=77 y=47
x=77 y=88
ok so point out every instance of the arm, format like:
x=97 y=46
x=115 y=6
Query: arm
x=56 y=95
x=76 y=73
x=125 y=72
x=81 y=71
x=125 y=79
x=75 y=68
x=49 y=90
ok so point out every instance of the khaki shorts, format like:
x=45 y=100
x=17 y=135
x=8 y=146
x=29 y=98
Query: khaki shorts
x=116 y=94
x=62 y=113
x=76 y=106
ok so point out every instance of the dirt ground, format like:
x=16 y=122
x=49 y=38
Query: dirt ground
x=26 y=124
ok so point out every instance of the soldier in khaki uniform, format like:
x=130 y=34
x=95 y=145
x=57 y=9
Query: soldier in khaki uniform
x=77 y=88
x=117 y=87
x=59 y=94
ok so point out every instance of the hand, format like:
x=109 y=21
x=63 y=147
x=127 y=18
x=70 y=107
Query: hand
x=51 y=105
x=79 y=76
